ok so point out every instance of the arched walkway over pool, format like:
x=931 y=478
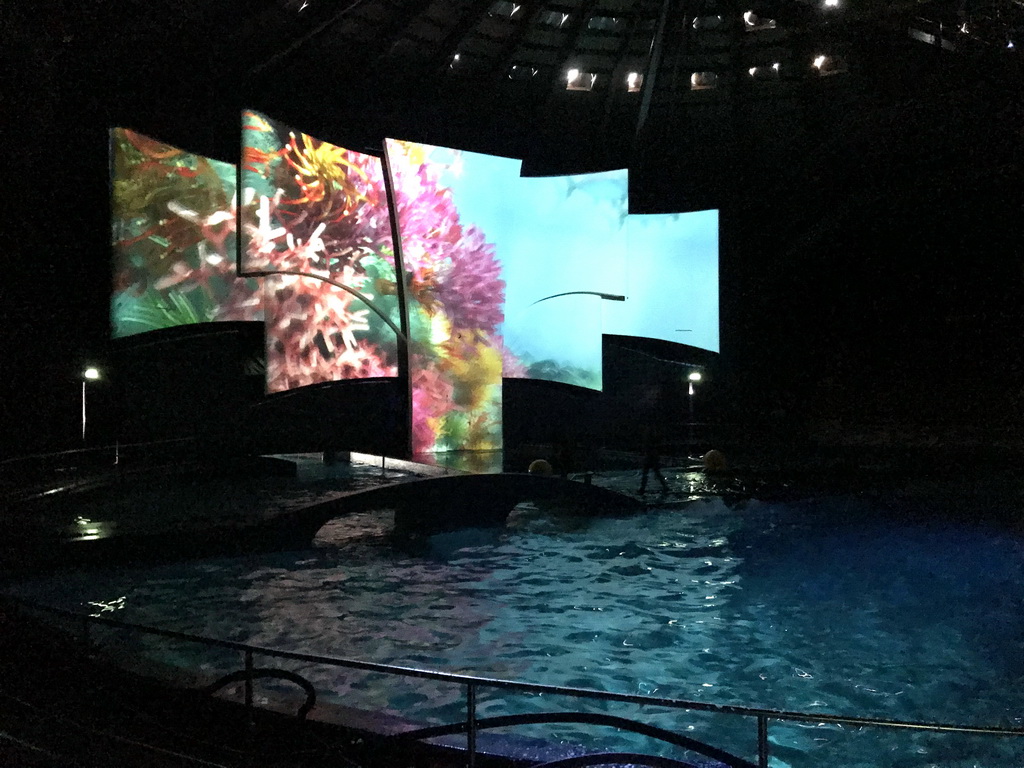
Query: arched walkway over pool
x=448 y=503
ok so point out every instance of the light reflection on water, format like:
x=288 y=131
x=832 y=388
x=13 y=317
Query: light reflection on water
x=830 y=607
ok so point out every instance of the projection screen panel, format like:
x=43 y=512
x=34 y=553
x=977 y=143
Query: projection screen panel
x=672 y=284
x=455 y=292
x=313 y=208
x=173 y=237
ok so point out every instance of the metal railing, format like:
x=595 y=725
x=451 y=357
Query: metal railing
x=472 y=725
x=95 y=462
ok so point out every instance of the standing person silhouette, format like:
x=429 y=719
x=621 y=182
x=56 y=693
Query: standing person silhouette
x=652 y=457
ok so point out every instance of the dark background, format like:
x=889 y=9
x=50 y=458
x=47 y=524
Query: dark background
x=871 y=250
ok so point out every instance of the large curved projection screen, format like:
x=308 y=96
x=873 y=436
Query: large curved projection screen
x=173 y=237
x=314 y=208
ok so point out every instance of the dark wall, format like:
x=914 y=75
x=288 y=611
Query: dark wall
x=205 y=384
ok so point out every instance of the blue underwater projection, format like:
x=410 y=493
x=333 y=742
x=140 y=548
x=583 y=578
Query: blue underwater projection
x=576 y=264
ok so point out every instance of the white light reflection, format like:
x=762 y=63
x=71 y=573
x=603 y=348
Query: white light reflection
x=116 y=604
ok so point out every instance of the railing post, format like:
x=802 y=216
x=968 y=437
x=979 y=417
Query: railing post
x=85 y=635
x=762 y=741
x=471 y=724
x=248 y=683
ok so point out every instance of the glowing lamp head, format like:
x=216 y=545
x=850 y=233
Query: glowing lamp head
x=694 y=376
x=819 y=61
x=91 y=373
x=573 y=75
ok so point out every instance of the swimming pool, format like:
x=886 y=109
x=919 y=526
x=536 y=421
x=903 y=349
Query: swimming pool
x=836 y=606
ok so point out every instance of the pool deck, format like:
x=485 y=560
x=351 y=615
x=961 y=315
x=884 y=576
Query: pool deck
x=46 y=526
x=169 y=513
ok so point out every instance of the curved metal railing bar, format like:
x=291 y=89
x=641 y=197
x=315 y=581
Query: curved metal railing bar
x=618 y=759
x=761 y=714
x=248 y=675
x=91 y=450
x=587 y=718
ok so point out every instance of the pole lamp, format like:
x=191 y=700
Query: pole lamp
x=91 y=373
x=692 y=379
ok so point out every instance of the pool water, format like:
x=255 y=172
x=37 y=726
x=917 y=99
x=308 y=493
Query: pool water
x=835 y=606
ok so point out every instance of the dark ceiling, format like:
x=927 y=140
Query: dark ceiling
x=696 y=75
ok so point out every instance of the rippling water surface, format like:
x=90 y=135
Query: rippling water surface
x=832 y=607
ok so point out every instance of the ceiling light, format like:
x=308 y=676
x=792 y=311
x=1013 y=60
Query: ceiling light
x=580 y=81
x=700 y=81
x=707 y=22
x=754 y=23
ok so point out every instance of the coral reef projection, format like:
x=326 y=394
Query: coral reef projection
x=314 y=208
x=455 y=301
x=173 y=236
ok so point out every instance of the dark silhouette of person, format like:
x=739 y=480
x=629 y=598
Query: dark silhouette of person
x=652 y=458
x=565 y=455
